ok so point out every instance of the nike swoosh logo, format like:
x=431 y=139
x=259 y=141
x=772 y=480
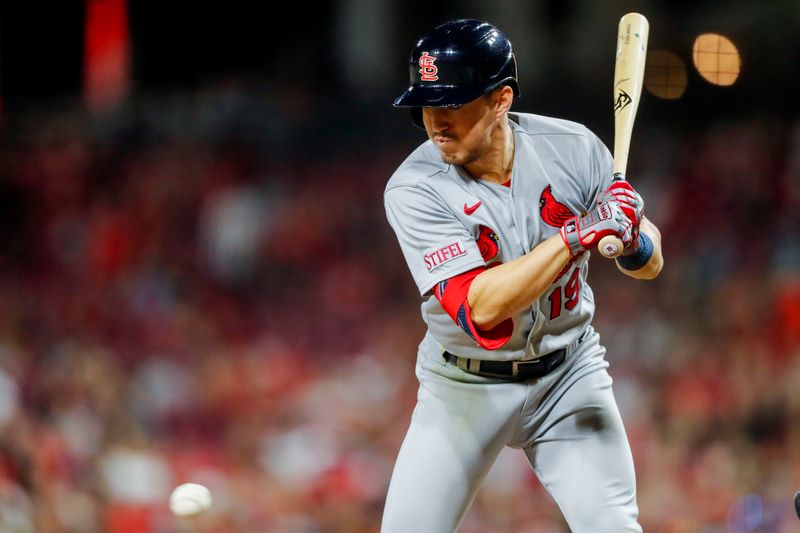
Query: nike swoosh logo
x=469 y=209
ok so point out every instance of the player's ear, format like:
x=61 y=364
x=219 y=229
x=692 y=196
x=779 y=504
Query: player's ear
x=505 y=97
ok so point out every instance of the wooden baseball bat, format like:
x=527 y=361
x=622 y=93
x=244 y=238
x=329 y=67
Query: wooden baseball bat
x=628 y=76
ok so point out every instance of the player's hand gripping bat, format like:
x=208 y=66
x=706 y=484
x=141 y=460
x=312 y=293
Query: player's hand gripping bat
x=628 y=76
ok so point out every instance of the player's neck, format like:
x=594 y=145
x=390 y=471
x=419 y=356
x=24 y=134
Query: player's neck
x=498 y=161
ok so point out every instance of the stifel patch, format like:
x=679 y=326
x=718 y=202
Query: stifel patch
x=436 y=258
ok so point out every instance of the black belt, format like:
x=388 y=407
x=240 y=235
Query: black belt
x=516 y=370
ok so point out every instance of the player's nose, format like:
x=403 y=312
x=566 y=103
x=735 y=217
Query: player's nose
x=438 y=118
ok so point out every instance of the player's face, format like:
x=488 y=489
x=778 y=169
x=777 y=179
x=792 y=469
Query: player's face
x=462 y=134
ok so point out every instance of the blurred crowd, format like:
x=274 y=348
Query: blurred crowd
x=176 y=308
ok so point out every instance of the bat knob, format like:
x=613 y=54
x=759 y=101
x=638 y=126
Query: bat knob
x=610 y=247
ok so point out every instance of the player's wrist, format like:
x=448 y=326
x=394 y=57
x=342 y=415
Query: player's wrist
x=571 y=236
x=640 y=257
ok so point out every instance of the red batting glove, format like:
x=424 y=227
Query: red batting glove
x=629 y=200
x=607 y=218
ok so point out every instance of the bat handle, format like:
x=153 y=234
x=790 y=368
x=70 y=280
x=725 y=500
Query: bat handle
x=611 y=246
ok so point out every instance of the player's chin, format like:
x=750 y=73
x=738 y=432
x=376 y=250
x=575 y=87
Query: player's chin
x=453 y=156
x=450 y=159
x=460 y=158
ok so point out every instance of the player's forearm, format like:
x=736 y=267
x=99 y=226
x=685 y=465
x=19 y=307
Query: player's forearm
x=653 y=267
x=503 y=291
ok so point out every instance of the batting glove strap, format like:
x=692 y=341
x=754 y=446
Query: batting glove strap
x=569 y=233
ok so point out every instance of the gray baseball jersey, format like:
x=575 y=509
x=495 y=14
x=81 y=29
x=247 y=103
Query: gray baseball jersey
x=448 y=222
x=567 y=422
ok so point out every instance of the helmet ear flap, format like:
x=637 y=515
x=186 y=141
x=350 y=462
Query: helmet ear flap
x=512 y=82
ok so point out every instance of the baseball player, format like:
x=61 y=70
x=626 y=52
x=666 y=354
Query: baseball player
x=496 y=215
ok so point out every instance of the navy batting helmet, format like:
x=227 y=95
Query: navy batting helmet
x=456 y=63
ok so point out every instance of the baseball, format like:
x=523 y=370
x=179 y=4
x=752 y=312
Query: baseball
x=189 y=499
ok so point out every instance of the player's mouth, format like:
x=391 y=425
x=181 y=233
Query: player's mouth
x=442 y=140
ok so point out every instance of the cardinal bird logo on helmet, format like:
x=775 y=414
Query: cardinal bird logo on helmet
x=553 y=212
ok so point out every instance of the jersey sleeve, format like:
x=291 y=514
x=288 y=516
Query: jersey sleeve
x=600 y=165
x=435 y=244
x=452 y=295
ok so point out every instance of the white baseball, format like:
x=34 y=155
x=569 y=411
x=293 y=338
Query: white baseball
x=189 y=499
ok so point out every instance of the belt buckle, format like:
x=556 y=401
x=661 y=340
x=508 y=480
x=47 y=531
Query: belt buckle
x=515 y=365
x=472 y=366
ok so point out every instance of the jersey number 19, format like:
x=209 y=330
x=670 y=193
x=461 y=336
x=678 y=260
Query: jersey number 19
x=566 y=296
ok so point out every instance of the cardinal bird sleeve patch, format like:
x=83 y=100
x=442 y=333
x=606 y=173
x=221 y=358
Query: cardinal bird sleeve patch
x=488 y=243
x=553 y=212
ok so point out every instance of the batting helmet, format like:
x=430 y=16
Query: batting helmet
x=456 y=63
